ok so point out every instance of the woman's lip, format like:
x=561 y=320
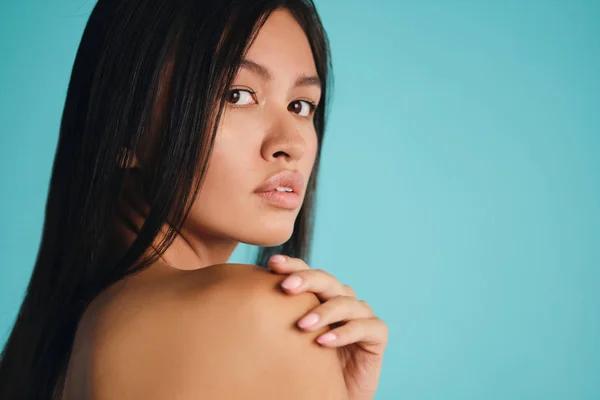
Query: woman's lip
x=286 y=178
x=287 y=200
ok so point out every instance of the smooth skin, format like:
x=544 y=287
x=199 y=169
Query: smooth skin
x=192 y=326
x=226 y=331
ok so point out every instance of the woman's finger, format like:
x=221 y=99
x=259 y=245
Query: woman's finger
x=289 y=265
x=371 y=334
x=349 y=291
x=338 y=309
x=285 y=265
x=317 y=281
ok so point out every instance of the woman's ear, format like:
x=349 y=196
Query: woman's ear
x=127 y=159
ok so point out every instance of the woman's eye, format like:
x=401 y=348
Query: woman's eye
x=302 y=107
x=240 y=97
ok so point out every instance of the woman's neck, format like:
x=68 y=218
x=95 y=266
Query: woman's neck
x=188 y=251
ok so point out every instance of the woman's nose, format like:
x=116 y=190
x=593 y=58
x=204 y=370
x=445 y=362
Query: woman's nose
x=284 y=140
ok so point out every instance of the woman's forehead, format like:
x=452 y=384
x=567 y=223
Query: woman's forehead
x=282 y=45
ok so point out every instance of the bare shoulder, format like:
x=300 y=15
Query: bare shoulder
x=226 y=331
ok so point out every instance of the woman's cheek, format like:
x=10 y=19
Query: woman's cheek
x=235 y=134
x=311 y=149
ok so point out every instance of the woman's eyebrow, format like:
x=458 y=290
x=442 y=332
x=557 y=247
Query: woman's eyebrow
x=302 y=80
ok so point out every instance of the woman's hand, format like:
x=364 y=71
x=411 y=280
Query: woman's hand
x=360 y=337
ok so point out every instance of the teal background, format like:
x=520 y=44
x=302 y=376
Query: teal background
x=459 y=193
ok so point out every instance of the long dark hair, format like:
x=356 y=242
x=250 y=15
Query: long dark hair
x=119 y=68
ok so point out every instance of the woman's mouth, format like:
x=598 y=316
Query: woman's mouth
x=282 y=189
x=282 y=198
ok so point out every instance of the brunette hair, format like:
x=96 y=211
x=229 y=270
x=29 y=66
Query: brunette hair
x=119 y=68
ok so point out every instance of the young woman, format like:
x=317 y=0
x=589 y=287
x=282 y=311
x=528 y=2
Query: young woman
x=190 y=126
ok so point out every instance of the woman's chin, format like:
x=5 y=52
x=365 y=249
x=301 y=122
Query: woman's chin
x=269 y=237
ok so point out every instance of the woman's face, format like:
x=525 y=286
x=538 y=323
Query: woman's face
x=267 y=127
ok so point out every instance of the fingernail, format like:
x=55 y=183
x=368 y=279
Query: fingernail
x=278 y=258
x=292 y=282
x=309 y=320
x=326 y=338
